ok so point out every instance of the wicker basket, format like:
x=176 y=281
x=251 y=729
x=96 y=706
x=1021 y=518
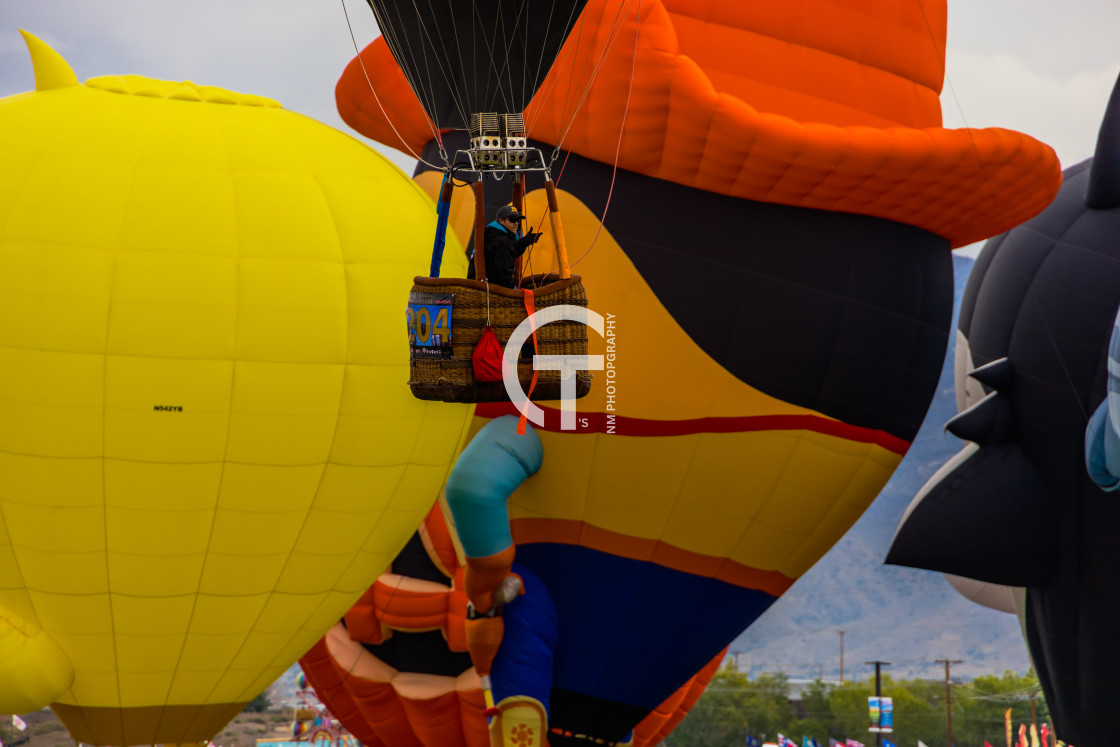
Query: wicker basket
x=441 y=369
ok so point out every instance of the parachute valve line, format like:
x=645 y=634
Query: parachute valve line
x=557 y=228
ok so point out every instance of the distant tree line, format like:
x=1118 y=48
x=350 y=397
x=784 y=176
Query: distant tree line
x=735 y=705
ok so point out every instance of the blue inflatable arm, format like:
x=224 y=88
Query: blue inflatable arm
x=1102 y=450
x=494 y=464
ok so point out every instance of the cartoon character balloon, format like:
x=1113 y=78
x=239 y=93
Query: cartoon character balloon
x=397 y=672
x=1018 y=506
x=206 y=455
x=762 y=207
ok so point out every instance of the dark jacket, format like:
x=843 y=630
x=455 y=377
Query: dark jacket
x=502 y=250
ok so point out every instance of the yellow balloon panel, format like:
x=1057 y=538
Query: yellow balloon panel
x=54 y=297
x=339 y=483
x=196 y=203
x=288 y=487
x=224 y=615
x=208 y=449
x=715 y=478
x=89 y=652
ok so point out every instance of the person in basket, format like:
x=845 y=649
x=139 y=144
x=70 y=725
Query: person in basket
x=503 y=247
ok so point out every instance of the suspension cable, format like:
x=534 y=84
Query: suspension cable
x=376 y=98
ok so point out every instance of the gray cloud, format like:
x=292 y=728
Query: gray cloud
x=289 y=50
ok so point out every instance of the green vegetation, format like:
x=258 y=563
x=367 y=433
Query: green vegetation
x=259 y=704
x=734 y=704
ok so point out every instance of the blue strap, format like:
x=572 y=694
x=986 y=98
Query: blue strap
x=443 y=209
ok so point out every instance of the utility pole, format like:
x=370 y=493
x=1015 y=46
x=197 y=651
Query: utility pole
x=841 y=632
x=878 y=692
x=1034 y=721
x=948 y=695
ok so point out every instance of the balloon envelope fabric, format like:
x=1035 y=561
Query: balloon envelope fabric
x=397 y=672
x=206 y=448
x=771 y=257
x=1032 y=348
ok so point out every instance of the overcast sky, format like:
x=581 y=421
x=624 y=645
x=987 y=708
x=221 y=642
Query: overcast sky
x=1039 y=66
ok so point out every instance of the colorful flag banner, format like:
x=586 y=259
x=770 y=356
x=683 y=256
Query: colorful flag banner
x=889 y=744
x=1022 y=735
x=921 y=743
x=753 y=741
x=873 y=708
x=1034 y=736
x=853 y=743
x=19 y=723
x=886 y=714
x=833 y=743
x=1044 y=734
x=1007 y=723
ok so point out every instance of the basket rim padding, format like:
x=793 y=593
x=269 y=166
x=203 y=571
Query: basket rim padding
x=498 y=290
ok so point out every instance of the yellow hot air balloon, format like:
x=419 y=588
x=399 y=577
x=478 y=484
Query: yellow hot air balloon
x=207 y=448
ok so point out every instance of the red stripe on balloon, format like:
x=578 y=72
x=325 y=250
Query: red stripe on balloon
x=597 y=422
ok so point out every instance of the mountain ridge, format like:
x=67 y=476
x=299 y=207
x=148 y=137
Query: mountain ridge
x=902 y=615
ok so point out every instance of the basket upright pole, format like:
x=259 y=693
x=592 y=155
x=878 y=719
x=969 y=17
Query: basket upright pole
x=557 y=228
x=518 y=198
x=479 y=229
x=443 y=209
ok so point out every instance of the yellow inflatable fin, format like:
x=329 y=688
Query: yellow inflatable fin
x=34 y=672
x=51 y=70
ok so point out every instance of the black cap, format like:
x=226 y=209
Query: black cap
x=508 y=212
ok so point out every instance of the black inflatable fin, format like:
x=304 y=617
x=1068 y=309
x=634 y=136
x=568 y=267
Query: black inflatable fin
x=974 y=519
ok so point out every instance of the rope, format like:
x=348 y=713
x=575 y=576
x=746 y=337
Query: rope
x=393 y=40
x=373 y=90
x=616 y=29
x=621 y=131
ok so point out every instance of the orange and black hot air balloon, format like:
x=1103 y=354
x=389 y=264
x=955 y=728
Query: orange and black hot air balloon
x=762 y=202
